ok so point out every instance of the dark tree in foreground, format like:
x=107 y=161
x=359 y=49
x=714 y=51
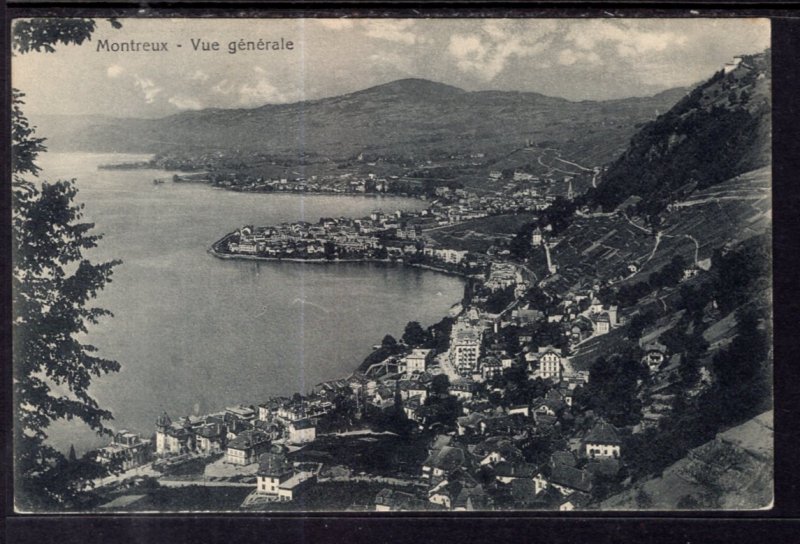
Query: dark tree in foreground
x=52 y=286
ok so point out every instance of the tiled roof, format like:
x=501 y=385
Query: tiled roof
x=213 y=430
x=501 y=445
x=473 y=497
x=571 y=477
x=523 y=491
x=472 y=420
x=563 y=458
x=273 y=464
x=447 y=459
x=248 y=439
x=577 y=499
x=301 y=424
x=602 y=433
x=515 y=470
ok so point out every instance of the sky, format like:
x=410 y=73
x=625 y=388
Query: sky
x=594 y=59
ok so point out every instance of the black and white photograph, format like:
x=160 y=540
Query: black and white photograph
x=318 y=264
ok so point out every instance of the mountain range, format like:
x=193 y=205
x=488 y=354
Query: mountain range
x=405 y=118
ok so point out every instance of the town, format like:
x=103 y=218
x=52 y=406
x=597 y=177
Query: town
x=589 y=360
x=489 y=404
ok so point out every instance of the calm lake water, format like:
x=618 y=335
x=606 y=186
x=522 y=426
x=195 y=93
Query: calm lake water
x=194 y=333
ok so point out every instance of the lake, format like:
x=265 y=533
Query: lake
x=194 y=333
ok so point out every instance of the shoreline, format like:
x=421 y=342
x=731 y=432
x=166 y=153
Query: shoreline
x=148 y=166
x=228 y=256
x=312 y=193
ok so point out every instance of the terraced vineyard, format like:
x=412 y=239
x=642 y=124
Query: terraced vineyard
x=604 y=246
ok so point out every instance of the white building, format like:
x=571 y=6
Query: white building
x=602 y=324
x=273 y=470
x=465 y=348
x=602 y=442
x=295 y=485
x=172 y=438
x=302 y=432
x=417 y=361
x=550 y=367
x=247 y=447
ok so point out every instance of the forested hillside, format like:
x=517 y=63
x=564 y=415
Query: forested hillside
x=720 y=130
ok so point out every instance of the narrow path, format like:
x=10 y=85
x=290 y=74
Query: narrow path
x=628 y=219
x=715 y=199
x=554 y=169
x=693 y=239
x=574 y=164
x=652 y=253
x=649 y=257
x=204 y=483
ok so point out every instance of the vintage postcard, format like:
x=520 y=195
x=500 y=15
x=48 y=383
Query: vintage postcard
x=375 y=265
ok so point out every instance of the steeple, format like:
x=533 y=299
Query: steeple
x=536 y=237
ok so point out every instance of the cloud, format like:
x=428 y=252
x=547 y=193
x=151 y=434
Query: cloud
x=502 y=39
x=114 y=71
x=393 y=61
x=148 y=88
x=185 y=103
x=199 y=75
x=393 y=30
x=568 y=57
x=260 y=92
x=628 y=41
x=224 y=86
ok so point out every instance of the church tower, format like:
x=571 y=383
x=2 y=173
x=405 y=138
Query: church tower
x=536 y=237
x=162 y=424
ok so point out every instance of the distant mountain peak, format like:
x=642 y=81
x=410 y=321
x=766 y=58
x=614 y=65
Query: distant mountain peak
x=413 y=86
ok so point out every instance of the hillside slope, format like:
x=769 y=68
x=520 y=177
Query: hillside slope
x=719 y=130
x=411 y=118
x=732 y=472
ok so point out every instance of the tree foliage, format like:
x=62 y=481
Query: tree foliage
x=52 y=287
x=42 y=34
x=699 y=142
x=612 y=389
x=740 y=391
x=414 y=335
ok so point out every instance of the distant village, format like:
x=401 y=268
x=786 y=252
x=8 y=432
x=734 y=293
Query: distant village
x=396 y=236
